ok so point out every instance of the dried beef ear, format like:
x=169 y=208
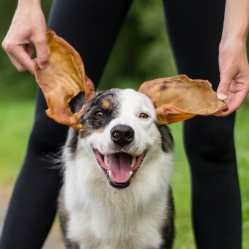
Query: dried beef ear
x=179 y=98
x=62 y=79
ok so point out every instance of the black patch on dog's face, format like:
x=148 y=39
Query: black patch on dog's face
x=99 y=112
x=106 y=103
x=167 y=139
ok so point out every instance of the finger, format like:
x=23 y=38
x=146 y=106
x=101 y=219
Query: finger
x=22 y=61
x=18 y=56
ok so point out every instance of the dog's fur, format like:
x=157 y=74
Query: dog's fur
x=103 y=207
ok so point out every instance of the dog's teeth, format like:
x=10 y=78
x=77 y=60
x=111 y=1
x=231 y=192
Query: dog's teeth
x=106 y=160
x=109 y=173
x=133 y=161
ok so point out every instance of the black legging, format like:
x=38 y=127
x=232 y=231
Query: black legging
x=91 y=26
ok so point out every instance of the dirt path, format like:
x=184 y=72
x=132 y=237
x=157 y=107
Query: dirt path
x=54 y=240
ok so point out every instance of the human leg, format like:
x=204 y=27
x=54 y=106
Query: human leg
x=195 y=30
x=33 y=204
x=91 y=27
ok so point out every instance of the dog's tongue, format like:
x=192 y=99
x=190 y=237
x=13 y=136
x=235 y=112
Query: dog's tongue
x=119 y=167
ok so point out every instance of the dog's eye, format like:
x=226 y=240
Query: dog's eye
x=144 y=115
x=99 y=114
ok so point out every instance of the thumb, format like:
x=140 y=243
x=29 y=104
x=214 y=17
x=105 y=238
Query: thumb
x=42 y=53
x=224 y=85
x=223 y=89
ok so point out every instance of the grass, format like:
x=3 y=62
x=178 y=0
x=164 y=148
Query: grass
x=15 y=126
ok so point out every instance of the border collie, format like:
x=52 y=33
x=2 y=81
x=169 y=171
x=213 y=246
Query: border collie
x=117 y=171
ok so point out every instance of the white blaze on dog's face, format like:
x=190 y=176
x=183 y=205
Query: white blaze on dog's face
x=120 y=129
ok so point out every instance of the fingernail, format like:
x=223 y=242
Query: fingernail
x=221 y=96
x=42 y=66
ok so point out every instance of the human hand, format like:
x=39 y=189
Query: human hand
x=234 y=75
x=27 y=31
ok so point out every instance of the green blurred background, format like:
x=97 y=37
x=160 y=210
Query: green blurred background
x=147 y=55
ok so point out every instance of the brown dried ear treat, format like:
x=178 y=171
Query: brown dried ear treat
x=62 y=79
x=179 y=98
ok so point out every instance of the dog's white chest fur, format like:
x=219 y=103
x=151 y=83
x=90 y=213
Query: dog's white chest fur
x=107 y=206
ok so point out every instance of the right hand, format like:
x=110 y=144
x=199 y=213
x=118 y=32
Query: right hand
x=27 y=30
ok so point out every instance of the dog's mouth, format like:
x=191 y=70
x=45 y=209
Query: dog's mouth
x=119 y=167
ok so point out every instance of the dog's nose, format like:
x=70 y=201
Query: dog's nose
x=122 y=135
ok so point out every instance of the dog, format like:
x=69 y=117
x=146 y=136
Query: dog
x=117 y=170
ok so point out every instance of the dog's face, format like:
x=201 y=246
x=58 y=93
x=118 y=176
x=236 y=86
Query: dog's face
x=120 y=128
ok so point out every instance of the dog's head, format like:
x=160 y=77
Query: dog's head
x=120 y=131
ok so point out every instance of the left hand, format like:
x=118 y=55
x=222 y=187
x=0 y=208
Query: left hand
x=234 y=75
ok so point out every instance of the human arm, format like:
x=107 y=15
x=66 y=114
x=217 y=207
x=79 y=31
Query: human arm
x=233 y=61
x=27 y=31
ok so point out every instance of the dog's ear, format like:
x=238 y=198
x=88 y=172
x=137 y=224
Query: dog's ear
x=179 y=98
x=62 y=79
